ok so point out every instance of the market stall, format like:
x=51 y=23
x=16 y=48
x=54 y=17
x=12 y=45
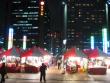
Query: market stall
x=75 y=61
x=12 y=58
x=32 y=59
x=97 y=62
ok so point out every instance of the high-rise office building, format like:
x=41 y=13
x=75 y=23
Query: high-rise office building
x=29 y=18
x=84 y=18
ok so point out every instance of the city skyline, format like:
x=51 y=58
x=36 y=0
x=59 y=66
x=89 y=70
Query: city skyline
x=84 y=18
x=54 y=7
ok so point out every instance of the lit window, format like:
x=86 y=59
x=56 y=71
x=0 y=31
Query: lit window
x=33 y=1
x=24 y=15
x=93 y=18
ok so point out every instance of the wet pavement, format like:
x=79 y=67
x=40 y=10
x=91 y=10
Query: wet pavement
x=55 y=76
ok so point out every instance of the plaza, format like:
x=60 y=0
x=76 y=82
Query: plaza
x=55 y=76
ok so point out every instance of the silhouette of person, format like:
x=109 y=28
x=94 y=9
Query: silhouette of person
x=43 y=69
x=3 y=72
x=59 y=64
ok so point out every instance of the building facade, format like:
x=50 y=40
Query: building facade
x=84 y=18
x=29 y=18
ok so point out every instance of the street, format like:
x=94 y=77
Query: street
x=54 y=76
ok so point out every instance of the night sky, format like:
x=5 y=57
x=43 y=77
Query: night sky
x=55 y=12
x=2 y=14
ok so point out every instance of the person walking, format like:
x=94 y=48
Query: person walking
x=59 y=64
x=3 y=72
x=43 y=69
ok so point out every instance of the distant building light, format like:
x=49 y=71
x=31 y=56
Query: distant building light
x=64 y=41
x=24 y=42
x=108 y=1
x=10 y=38
x=42 y=2
x=35 y=27
x=1 y=42
x=92 y=42
x=105 y=42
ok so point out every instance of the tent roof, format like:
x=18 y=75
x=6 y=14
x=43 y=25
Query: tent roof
x=34 y=51
x=96 y=53
x=14 y=51
x=74 y=52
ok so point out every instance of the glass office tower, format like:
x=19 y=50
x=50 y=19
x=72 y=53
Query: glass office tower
x=24 y=16
x=84 y=18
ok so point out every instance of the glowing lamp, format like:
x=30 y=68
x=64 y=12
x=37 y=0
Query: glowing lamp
x=10 y=38
x=92 y=42
x=104 y=37
x=42 y=2
x=24 y=42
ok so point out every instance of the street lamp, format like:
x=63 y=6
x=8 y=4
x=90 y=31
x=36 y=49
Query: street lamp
x=10 y=38
x=24 y=42
x=92 y=42
x=106 y=6
x=65 y=24
x=104 y=39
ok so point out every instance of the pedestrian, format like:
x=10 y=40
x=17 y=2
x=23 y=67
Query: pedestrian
x=59 y=64
x=3 y=72
x=43 y=69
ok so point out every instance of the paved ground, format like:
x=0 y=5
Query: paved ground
x=54 y=76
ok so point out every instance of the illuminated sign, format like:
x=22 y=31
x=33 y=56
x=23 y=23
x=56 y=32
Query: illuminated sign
x=10 y=38
x=92 y=42
x=24 y=42
x=42 y=3
x=104 y=37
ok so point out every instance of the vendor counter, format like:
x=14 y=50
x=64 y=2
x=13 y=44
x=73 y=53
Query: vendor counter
x=97 y=70
x=31 y=69
x=23 y=69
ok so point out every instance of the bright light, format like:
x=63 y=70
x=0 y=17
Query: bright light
x=42 y=2
x=108 y=1
x=100 y=58
x=104 y=36
x=10 y=38
x=92 y=42
x=47 y=58
x=24 y=42
x=64 y=41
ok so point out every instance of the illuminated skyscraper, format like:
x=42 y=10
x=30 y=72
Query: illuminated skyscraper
x=24 y=16
x=85 y=18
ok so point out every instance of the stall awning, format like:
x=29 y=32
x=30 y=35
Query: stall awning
x=74 y=52
x=34 y=51
x=14 y=51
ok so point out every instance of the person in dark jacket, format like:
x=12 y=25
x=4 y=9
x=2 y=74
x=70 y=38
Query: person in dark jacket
x=3 y=72
x=43 y=69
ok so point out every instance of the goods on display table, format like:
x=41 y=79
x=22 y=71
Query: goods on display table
x=33 y=63
x=97 y=66
x=12 y=62
x=76 y=64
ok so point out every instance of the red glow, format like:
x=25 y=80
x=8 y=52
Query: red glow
x=70 y=53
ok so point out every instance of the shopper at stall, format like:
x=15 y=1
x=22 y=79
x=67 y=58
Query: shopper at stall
x=43 y=69
x=3 y=72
